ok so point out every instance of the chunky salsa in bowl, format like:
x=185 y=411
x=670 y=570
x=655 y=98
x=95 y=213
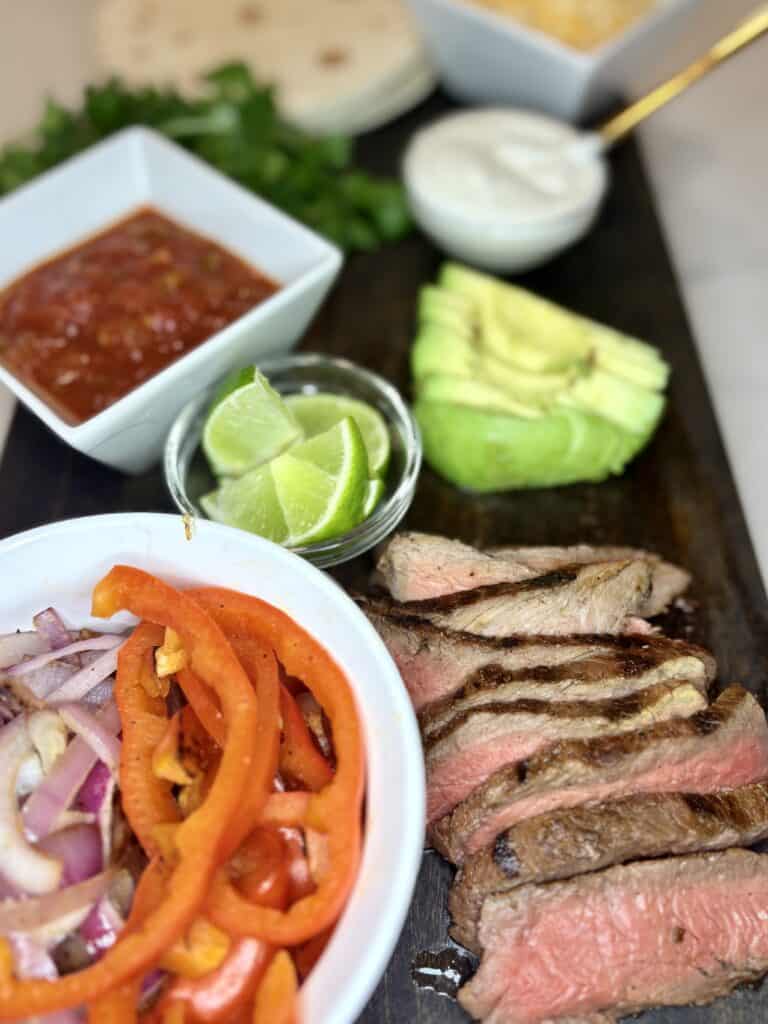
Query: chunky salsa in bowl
x=134 y=275
x=91 y=324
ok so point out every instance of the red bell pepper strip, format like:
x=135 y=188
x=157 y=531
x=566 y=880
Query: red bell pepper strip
x=146 y=800
x=260 y=868
x=299 y=757
x=334 y=811
x=276 y=998
x=116 y=1007
x=203 y=704
x=199 y=839
x=306 y=956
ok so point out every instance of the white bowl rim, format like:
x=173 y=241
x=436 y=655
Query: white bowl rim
x=402 y=851
x=585 y=58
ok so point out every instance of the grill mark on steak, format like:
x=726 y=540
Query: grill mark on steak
x=462 y=598
x=614 y=709
x=723 y=747
x=666 y=932
x=578 y=840
x=419 y=566
x=436 y=662
x=604 y=597
x=474 y=743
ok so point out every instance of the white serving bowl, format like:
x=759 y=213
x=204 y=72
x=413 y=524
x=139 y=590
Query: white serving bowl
x=138 y=167
x=484 y=57
x=59 y=564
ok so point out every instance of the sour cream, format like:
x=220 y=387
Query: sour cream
x=505 y=189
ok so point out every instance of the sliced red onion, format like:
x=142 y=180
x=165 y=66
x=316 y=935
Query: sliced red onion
x=30 y=959
x=92 y=793
x=101 y=928
x=100 y=694
x=105 y=819
x=82 y=682
x=46 y=680
x=44 y=808
x=45 y=917
x=23 y=865
x=99 y=738
x=103 y=642
x=15 y=646
x=50 y=627
x=78 y=848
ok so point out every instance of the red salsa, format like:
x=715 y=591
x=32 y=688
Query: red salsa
x=90 y=325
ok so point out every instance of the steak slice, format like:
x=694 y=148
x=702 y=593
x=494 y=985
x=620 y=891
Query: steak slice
x=436 y=663
x=597 y=598
x=577 y=840
x=663 y=932
x=470 y=746
x=616 y=673
x=419 y=566
x=669 y=580
x=722 y=747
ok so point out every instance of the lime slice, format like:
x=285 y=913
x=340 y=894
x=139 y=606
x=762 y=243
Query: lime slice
x=248 y=427
x=322 y=483
x=373 y=495
x=318 y=413
x=315 y=491
x=249 y=503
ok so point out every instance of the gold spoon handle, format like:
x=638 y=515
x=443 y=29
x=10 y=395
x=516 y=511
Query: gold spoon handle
x=620 y=125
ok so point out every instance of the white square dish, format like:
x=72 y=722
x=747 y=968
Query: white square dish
x=135 y=168
x=485 y=57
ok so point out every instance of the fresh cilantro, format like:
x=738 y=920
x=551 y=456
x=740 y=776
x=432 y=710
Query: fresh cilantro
x=235 y=126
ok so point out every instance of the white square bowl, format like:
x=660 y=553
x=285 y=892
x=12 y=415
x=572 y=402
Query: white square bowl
x=138 y=167
x=485 y=57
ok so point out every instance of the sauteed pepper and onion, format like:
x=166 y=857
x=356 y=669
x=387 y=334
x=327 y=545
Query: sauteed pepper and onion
x=181 y=811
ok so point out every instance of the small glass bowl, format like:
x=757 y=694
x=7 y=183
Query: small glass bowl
x=188 y=475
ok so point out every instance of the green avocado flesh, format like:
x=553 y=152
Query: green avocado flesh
x=513 y=391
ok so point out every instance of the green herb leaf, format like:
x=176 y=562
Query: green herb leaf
x=237 y=129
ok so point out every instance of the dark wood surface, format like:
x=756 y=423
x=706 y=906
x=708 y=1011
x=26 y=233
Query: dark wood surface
x=678 y=498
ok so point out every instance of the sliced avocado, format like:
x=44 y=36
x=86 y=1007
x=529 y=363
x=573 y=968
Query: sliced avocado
x=517 y=326
x=438 y=350
x=438 y=306
x=627 y=357
x=486 y=451
x=489 y=451
x=616 y=399
x=469 y=391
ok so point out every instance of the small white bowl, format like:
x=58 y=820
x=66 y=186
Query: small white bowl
x=485 y=57
x=139 y=167
x=59 y=564
x=504 y=242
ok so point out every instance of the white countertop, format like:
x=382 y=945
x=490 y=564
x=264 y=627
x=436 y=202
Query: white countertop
x=708 y=158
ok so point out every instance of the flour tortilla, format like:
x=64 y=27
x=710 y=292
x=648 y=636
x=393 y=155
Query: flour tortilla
x=338 y=65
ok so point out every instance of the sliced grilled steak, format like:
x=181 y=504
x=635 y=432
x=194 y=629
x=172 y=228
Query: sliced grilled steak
x=617 y=673
x=578 y=599
x=471 y=745
x=577 y=840
x=669 y=581
x=419 y=566
x=437 y=663
x=722 y=747
x=664 y=932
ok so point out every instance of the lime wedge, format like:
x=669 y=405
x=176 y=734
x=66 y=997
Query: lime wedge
x=313 y=492
x=249 y=503
x=373 y=495
x=318 y=413
x=248 y=427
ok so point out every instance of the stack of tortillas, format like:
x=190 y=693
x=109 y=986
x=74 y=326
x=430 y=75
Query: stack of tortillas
x=337 y=65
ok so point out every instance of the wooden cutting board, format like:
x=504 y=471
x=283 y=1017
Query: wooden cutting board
x=678 y=498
